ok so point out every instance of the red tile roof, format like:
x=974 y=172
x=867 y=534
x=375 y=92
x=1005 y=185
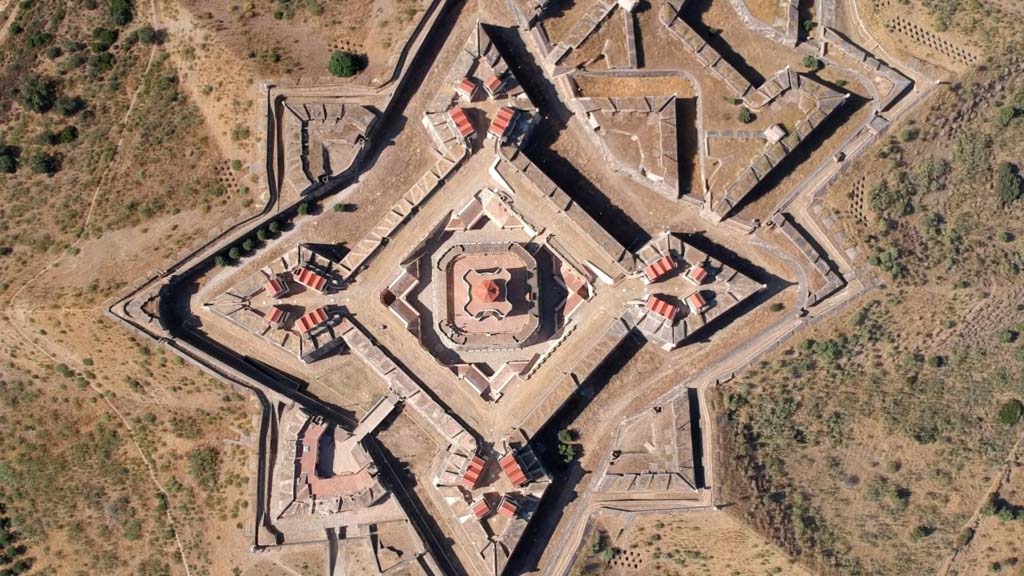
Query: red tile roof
x=311 y=320
x=276 y=287
x=508 y=507
x=481 y=509
x=275 y=315
x=510 y=466
x=467 y=87
x=311 y=279
x=462 y=123
x=697 y=274
x=493 y=84
x=472 y=475
x=696 y=302
x=661 y=307
x=662 y=266
x=502 y=121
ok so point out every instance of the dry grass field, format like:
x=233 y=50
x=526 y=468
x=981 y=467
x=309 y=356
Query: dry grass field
x=692 y=543
x=871 y=444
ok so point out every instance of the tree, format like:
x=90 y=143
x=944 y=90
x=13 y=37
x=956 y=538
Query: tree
x=43 y=163
x=262 y=234
x=1010 y=412
x=274 y=227
x=67 y=135
x=1007 y=336
x=149 y=35
x=38 y=94
x=248 y=245
x=234 y=253
x=9 y=159
x=121 y=12
x=69 y=105
x=1008 y=184
x=344 y=64
x=220 y=260
x=103 y=39
x=746 y=116
x=304 y=208
x=812 y=63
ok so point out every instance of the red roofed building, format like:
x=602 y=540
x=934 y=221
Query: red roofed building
x=472 y=475
x=461 y=121
x=467 y=89
x=501 y=122
x=696 y=303
x=276 y=316
x=696 y=274
x=310 y=279
x=494 y=85
x=311 y=320
x=661 y=308
x=481 y=509
x=508 y=507
x=276 y=287
x=510 y=466
x=662 y=266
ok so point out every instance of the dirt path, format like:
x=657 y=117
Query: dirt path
x=22 y=315
x=1012 y=456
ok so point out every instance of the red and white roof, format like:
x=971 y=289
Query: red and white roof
x=472 y=475
x=508 y=507
x=275 y=315
x=311 y=320
x=502 y=121
x=310 y=279
x=462 y=123
x=466 y=88
x=696 y=302
x=276 y=287
x=661 y=307
x=493 y=85
x=510 y=466
x=697 y=274
x=659 y=268
x=481 y=509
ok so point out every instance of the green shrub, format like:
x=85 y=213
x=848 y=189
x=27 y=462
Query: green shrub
x=204 y=467
x=1006 y=115
x=148 y=35
x=1008 y=183
x=43 y=163
x=777 y=307
x=121 y=12
x=220 y=260
x=812 y=63
x=1010 y=412
x=69 y=106
x=910 y=134
x=304 y=208
x=103 y=39
x=344 y=64
x=745 y=115
x=1007 y=336
x=38 y=94
x=344 y=207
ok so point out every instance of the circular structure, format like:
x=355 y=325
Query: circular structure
x=488 y=291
